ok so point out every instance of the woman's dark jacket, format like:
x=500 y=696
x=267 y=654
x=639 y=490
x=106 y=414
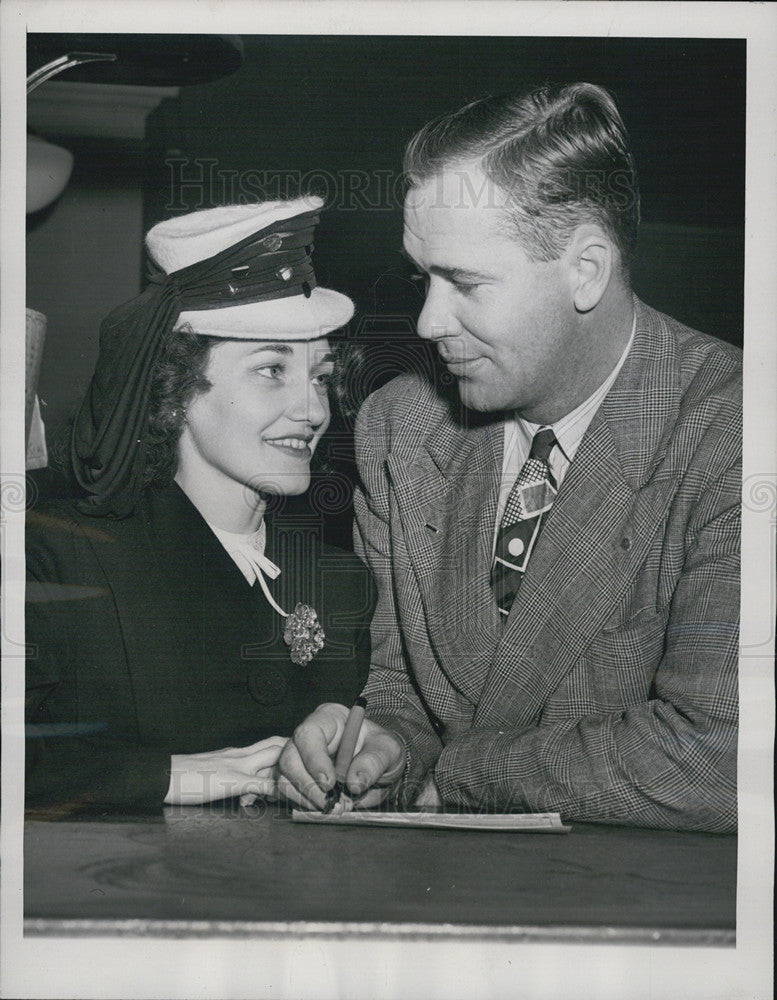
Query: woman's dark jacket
x=145 y=640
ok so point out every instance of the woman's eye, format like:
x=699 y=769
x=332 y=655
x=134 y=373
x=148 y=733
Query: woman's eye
x=270 y=371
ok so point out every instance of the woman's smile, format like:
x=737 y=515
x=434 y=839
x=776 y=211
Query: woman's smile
x=297 y=447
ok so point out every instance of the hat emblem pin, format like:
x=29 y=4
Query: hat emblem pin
x=272 y=242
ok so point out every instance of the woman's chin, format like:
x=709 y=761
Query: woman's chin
x=290 y=485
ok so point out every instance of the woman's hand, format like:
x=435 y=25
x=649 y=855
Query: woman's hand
x=221 y=774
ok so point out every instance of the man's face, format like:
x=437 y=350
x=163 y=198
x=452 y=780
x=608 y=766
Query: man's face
x=503 y=325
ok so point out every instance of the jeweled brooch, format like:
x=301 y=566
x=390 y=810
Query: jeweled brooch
x=303 y=634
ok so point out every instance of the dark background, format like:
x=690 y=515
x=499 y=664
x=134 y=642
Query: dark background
x=332 y=114
x=327 y=107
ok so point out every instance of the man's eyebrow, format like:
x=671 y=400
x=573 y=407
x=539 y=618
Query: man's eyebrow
x=452 y=273
x=326 y=359
x=457 y=273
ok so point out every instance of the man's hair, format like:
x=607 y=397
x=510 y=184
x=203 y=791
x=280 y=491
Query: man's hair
x=560 y=153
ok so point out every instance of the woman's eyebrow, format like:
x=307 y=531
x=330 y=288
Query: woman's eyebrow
x=275 y=348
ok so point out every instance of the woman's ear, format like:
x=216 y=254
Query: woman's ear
x=592 y=257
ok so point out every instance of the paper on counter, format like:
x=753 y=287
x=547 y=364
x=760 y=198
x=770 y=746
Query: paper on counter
x=501 y=822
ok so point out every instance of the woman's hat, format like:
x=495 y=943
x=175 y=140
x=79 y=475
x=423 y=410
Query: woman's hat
x=261 y=284
x=242 y=272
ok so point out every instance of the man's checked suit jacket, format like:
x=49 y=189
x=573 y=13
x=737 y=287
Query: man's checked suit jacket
x=610 y=693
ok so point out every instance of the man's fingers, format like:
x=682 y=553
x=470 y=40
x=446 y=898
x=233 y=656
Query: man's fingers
x=308 y=771
x=314 y=740
x=265 y=756
x=378 y=762
x=315 y=800
x=372 y=798
x=257 y=786
x=266 y=773
x=311 y=744
x=294 y=775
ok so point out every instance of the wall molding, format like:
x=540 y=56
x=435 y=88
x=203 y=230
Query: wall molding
x=93 y=110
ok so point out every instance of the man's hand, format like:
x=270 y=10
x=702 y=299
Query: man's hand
x=307 y=769
x=220 y=774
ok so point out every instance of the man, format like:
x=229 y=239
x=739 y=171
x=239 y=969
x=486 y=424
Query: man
x=556 y=545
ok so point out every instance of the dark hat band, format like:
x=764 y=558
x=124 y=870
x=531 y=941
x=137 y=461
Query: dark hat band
x=271 y=264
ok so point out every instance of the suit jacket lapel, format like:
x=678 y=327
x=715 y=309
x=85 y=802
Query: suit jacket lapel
x=447 y=501
x=596 y=535
x=570 y=587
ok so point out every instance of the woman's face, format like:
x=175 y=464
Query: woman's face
x=260 y=421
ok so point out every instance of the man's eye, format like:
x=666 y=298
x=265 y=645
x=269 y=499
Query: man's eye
x=465 y=287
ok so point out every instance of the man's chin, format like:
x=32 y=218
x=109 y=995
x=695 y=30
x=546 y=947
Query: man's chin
x=478 y=396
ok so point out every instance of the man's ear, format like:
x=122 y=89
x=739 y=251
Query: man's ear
x=592 y=258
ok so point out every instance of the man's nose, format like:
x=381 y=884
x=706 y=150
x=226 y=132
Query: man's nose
x=436 y=320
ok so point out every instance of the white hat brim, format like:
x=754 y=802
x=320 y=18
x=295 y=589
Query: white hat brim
x=296 y=317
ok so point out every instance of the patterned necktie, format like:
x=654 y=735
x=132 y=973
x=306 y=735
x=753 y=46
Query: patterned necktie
x=530 y=498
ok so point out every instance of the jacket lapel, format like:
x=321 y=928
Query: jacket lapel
x=166 y=563
x=447 y=501
x=597 y=534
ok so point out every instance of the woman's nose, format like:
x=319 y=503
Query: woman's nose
x=318 y=407
x=310 y=405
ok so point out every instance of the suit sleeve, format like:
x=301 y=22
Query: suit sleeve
x=670 y=761
x=393 y=700
x=72 y=759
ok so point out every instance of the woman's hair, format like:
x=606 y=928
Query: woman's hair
x=176 y=379
x=560 y=153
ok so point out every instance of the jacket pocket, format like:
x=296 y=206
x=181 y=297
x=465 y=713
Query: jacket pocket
x=623 y=662
x=617 y=670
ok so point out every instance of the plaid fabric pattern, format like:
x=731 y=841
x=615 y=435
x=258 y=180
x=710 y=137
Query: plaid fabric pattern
x=529 y=500
x=610 y=693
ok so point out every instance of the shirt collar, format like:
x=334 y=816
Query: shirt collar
x=247 y=552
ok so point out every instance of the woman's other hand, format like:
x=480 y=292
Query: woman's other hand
x=221 y=774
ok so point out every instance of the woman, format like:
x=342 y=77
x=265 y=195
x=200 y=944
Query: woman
x=169 y=621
